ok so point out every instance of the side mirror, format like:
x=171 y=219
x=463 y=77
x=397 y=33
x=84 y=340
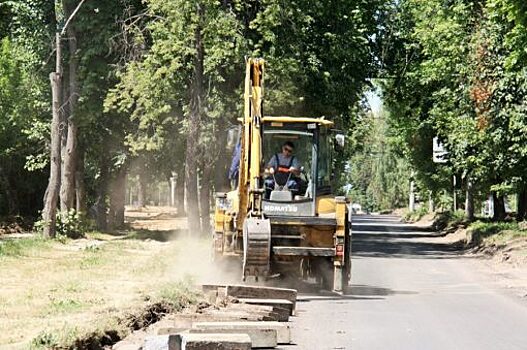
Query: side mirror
x=340 y=141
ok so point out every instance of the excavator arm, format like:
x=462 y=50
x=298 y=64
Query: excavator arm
x=250 y=168
x=256 y=228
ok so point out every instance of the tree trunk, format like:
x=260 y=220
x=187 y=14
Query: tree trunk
x=180 y=192
x=197 y=83
x=522 y=203
x=204 y=198
x=64 y=113
x=52 y=192
x=100 y=202
x=172 y=187
x=499 y=207
x=141 y=191
x=469 y=201
x=67 y=191
x=118 y=199
x=80 y=188
x=9 y=191
x=221 y=181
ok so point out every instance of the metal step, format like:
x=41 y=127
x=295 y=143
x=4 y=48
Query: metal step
x=303 y=251
x=287 y=237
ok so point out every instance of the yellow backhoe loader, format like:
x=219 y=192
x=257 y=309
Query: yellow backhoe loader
x=276 y=230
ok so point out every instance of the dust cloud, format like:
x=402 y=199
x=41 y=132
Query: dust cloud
x=194 y=259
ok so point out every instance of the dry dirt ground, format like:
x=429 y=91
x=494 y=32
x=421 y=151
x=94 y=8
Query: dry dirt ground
x=501 y=257
x=51 y=289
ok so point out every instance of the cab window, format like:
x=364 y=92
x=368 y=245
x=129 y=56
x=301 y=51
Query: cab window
x=325 y=156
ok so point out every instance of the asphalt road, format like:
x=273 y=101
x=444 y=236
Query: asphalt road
x=409 y=292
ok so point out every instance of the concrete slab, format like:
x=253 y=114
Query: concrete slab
x=281 y=306
x=283 y=332
x=266 y=312
x=260 y=338
x=239 y=315
x=244 y=291
x=186 y=320
x=170 y=330
x=198 y=341
x=213 y=341
x=126 y=345
x=161 y=342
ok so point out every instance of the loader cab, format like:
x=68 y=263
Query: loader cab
x=314 y=150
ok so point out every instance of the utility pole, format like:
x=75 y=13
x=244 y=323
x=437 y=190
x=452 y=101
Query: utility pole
x=411 y=204
x=431 y=206
x=469 y=200
x=454 y=182
x=173 y=180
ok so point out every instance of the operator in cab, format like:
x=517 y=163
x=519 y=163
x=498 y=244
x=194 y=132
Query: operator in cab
x=283 y=170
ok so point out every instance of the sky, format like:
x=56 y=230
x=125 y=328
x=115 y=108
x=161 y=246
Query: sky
x=374 y=100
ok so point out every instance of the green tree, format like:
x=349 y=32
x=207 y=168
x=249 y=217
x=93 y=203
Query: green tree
x=377 y=173
x=181 y=85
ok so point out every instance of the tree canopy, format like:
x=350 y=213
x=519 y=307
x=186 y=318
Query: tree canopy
x=148 y=86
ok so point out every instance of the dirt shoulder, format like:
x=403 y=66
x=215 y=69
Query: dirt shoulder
x=499 y=250
x=54 y=292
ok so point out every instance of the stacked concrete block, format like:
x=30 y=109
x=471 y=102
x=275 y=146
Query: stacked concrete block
x=197 y=341
x=282 y=330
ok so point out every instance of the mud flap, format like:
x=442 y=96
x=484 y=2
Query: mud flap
x=256 y=247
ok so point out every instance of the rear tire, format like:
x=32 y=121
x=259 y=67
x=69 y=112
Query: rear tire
x=325 y=273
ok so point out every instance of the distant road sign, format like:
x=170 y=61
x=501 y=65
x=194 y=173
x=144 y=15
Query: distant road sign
x=439 y=153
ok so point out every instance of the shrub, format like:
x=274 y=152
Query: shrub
x=449 y=219
x=416 y=215
x=71 y=224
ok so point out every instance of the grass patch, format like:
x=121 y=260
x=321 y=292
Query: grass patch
x=52 y=340
x=493 y=232
x=449 y=219
x=178 y=295
x=85 y=294
x=16 y=247
x=91 y=259
x=64 y=306
x=415 y=215
x=171 y=297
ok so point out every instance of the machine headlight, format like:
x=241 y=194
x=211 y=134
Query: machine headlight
x=222 y=202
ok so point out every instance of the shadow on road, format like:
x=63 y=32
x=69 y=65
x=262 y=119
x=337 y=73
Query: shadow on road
x=386 y=248
x=391 y=227
x=353 y=292
x=372 y=291
x=157 y=235
x=378 y=237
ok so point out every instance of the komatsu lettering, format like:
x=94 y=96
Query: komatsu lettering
x=281 y=208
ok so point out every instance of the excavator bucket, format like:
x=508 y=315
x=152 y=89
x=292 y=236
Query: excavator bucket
x=256 y=247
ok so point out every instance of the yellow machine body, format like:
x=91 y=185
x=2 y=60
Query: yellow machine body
x=308 y=236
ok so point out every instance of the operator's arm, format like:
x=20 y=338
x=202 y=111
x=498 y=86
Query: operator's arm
x=295 y=167
x=269 y=169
